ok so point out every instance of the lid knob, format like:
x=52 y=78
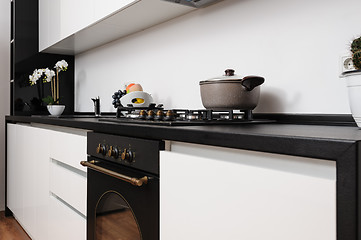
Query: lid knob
x=229 y=72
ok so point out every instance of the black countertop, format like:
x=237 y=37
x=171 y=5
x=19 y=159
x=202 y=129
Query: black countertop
x=317 y=141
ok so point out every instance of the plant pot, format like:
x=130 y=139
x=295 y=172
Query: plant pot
x=56 y=110
x=354 y=95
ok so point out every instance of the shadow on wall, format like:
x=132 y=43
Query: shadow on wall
x=80 y=79
x=274 y=100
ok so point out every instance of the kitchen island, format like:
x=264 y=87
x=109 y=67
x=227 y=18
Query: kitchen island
x=339 y=144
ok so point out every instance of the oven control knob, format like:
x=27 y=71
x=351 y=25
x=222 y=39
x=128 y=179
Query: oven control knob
x=127 y=155
x=142 y=114
x=101 y=149
x=159 y=115
x=169 y=116
x=113 y=152
x=150 y=115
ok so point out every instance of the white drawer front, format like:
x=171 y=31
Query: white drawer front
x=69 y=149
x=65 y=222
x=69 y=184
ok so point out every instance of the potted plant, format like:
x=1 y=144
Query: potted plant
x=45 y=75
x=353 y=78
x=356 y=53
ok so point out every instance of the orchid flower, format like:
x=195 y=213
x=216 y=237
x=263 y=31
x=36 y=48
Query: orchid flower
x=61 y=66
x=47 y=75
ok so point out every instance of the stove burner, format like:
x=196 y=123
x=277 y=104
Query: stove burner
x=156 y=115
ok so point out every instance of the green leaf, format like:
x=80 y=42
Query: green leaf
x=48 y=100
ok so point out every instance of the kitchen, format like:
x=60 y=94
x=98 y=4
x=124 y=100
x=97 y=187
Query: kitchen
x=291 y=44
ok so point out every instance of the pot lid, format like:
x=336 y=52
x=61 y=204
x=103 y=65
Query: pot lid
x=229 y=75
x=249 y=82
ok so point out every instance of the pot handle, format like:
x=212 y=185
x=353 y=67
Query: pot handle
x=250 y=82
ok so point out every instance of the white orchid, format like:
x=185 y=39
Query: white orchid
x=61 y=66
x=34 y=77
x=47 y=75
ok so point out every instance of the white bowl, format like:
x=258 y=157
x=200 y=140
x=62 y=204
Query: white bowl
x=127 y=99
x=56 y=110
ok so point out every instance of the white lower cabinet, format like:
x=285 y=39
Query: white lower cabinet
x=220 y=193
x=45 y=187
x=27 y=172
x=69 y=184
x=66 y=222
x=15 y=184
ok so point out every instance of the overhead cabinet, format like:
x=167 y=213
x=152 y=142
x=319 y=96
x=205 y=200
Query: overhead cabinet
x=59 y=19
x=72 y=27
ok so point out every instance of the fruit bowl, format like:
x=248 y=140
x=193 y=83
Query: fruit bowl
x=136 y=99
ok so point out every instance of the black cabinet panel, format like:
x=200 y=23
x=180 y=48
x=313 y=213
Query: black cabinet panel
x=26 y=29
x=12 y=15
x=25 y=58
x=12 y=61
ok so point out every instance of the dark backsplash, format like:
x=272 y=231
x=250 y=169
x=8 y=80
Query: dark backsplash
x=25 y=58
x=27 y=99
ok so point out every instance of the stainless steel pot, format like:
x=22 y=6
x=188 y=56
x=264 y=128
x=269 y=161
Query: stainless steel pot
x=231 y=92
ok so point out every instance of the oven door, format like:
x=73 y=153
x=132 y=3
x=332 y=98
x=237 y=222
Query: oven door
x=123 y=203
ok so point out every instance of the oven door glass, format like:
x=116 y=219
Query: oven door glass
x=115 y=219
x=118 y=208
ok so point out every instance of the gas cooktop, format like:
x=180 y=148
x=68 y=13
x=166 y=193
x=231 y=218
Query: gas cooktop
x=156 y=115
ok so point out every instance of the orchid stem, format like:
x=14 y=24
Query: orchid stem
x=57 y=85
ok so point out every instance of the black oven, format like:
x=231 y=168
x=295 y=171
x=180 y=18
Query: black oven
x=123 y=187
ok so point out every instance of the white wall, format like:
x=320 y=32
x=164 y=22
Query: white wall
x=4 y=88
x=295 y=44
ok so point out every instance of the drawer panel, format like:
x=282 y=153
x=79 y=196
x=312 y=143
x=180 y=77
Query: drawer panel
x=65 y=223
x=69 y=184
x=69 y=149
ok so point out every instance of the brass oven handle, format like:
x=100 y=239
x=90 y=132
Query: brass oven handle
x=134 y=181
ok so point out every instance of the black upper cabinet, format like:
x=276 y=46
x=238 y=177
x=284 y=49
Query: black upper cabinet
x=25 y=57
x=26 y=34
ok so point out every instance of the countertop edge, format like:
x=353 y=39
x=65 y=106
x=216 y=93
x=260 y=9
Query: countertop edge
x=312 y=147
